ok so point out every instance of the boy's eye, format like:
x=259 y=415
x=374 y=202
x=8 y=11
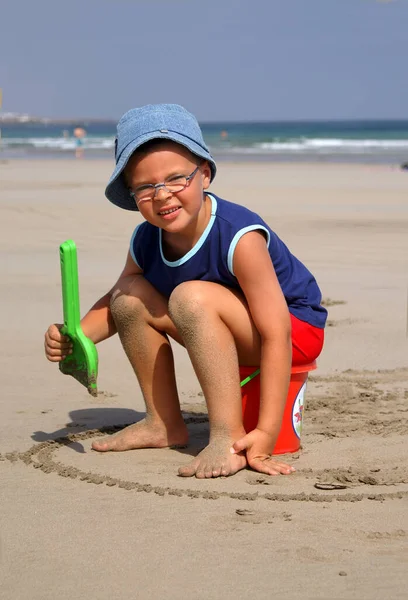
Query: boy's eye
x=175 y=178
x=143 y=188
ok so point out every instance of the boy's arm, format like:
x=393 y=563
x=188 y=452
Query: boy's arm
x=98 y=323
x=257 y=278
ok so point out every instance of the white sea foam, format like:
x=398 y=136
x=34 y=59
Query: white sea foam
x=330 y=145
x=60 y=143
x=296 y=146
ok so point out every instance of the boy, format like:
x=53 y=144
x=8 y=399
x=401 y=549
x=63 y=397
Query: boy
x=211 y=275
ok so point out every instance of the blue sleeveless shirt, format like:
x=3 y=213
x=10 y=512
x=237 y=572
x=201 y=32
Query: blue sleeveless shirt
x=211 y=259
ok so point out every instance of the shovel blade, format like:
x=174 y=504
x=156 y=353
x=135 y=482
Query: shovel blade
x=82 y=364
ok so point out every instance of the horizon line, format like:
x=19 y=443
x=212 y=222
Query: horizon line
x=24 y=118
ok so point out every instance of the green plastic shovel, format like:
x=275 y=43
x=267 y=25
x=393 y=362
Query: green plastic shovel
x=82 y=364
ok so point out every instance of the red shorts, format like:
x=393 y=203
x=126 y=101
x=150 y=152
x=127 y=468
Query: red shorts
x=307 y=342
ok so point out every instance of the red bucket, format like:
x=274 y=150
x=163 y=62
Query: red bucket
x=291 y=429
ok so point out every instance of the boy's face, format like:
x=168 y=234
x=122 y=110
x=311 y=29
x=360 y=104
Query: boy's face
x=172 y=211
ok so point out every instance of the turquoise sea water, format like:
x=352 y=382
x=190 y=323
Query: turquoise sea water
x=351 y=141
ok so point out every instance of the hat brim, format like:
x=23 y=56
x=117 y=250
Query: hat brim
x=117 y=191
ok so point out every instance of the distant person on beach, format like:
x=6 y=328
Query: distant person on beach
x=214 y=277
x=79 y=135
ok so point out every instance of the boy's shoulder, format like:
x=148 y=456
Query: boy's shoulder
x=231 y=211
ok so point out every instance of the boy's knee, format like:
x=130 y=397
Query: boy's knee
x=123 y=306
x=189 y=298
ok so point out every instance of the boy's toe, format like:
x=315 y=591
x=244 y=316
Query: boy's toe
x=102 y=446
x=200 y=474
x=187 y=471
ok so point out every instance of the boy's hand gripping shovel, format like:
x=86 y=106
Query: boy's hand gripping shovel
x=82 y=364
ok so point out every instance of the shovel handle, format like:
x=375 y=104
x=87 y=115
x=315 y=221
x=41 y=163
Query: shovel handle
x=70 y=287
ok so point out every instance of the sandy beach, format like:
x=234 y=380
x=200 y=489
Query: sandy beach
x=75 y=523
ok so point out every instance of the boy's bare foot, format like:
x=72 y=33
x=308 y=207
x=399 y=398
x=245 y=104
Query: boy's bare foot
x=144 y=434
x=215 y=460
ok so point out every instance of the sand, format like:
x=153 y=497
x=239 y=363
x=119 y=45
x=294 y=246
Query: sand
x=77 y=523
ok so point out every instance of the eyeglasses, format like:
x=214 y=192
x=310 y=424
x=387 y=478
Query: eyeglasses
x=174 y=184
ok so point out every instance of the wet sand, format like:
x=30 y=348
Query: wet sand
x=75 y=522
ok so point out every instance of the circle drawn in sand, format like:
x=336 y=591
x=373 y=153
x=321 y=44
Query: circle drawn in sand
x=360 y=404
x=41 y=456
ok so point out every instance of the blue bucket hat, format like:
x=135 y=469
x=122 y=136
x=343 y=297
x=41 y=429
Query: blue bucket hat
x=153 y=121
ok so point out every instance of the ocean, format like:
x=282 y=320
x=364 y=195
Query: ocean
x=345 y=141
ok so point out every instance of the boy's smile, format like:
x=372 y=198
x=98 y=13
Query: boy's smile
x=170 y=213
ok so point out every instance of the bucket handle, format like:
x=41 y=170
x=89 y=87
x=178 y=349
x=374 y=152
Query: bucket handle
x=248 y=379
x=296 y=369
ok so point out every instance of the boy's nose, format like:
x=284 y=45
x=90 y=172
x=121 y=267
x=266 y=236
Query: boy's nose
x=161 y=193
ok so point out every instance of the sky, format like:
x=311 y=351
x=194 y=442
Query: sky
x=224 y=60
